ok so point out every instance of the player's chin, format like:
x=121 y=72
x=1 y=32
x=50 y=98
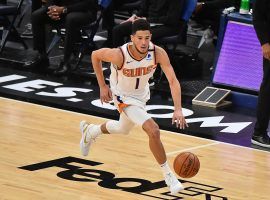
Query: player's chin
x=143 y=50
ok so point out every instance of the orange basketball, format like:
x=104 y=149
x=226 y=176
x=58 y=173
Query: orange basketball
x=186 y=165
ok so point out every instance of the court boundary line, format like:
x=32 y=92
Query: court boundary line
x=192 y=148
x=78 y=113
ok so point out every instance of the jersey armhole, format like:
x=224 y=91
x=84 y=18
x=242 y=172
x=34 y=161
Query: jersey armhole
x=120 y=67
x=155 y=56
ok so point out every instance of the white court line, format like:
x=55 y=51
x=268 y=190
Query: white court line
x=175 y=133
x=192 y=148
x=58 y=109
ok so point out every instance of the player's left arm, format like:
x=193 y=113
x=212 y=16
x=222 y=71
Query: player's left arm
x=164 y=61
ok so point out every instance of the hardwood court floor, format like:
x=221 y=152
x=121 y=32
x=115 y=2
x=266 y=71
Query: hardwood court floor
x=118 y=167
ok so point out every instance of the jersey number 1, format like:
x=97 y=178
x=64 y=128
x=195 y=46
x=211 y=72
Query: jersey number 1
x=137 y=83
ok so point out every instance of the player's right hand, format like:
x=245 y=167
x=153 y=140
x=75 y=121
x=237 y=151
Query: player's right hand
x=105 y=94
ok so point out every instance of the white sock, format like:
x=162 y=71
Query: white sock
x=95 y=131
x=166 y=168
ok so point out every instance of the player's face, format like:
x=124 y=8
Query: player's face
x=141 y=41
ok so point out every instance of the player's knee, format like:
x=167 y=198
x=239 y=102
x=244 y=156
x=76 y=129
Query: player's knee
x=115 y=127
x=152 y=129
x=125 y=130
x=126 y=133
x=154 y=133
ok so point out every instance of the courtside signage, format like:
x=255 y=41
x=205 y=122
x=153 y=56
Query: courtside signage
x=65 y=94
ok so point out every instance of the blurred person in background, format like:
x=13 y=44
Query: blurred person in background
x=261 y=21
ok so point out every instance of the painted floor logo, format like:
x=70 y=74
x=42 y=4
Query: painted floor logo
x=108 y=180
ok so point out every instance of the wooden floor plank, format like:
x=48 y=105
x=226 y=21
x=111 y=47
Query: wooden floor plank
x=31 y=134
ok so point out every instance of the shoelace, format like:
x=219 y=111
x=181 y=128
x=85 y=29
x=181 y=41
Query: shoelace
x=169 y=179
x=87 y=130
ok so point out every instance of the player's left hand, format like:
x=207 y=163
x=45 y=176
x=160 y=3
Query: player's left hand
x=179 y=119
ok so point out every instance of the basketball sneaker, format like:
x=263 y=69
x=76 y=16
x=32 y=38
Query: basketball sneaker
x=88 y=137
x=263 y=141
x=173 y=183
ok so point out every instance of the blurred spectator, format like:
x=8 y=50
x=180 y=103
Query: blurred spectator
x=108 y=21
x=208 y=12
x=2 y=2
x=163 y=15
x=35 y=4
x=72 y=14
x=261 y=21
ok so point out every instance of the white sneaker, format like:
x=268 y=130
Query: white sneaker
x=85 y=129
x=173 y=183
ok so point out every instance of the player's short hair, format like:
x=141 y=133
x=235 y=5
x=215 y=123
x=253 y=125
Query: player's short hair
x=140 y=25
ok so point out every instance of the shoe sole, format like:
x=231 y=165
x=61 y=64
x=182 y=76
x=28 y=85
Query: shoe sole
x=259 y=144
x=82 y=144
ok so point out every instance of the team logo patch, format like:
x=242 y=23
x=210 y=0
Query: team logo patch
x=149 y=57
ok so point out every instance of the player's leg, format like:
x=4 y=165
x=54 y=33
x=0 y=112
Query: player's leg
x=139 y=116
x=90 y=131
x=155 y=144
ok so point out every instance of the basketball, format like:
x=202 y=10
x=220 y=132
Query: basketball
x=186 y=165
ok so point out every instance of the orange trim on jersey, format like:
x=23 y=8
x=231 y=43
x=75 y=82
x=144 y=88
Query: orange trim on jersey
x=124 y=59
x=139 y=71
x=121 y=106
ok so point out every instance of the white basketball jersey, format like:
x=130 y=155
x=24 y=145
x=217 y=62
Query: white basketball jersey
x=132 y=79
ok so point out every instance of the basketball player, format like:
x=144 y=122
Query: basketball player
x=131 y=67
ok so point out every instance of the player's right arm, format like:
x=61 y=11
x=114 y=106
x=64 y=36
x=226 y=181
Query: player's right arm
x=113 y=56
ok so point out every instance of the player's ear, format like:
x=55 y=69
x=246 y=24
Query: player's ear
x=131 y=38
